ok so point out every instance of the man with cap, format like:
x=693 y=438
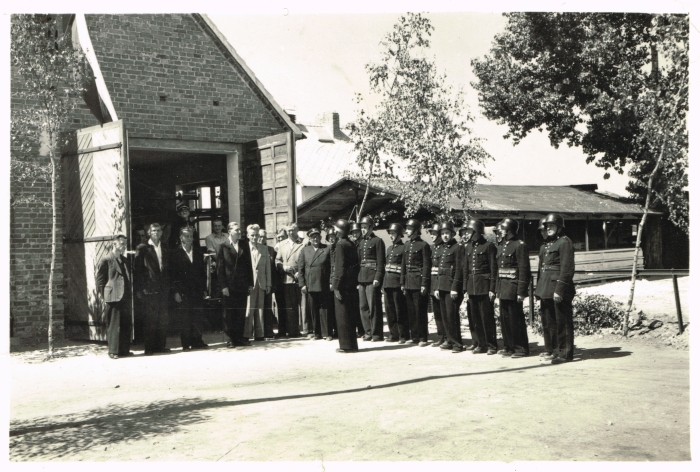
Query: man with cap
x=113 y=283
x=331 y=239
x=479 y=275
x=513 y=260
x=371 y=251
x=343 y=284
x=396 y=311
x=182 y=221
x=556 y=289
x=287 y=265
x=315 y=279
x=415 y=281
x=436 y=250
x=446 y=291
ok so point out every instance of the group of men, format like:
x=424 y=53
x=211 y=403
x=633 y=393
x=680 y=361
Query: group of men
x=334 y=290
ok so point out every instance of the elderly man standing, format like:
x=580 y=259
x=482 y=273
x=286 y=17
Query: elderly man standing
x=262 y=284
x=343 y=284
x=287 y=265
x=315 y=279
x=113 y=281
x=235 y=274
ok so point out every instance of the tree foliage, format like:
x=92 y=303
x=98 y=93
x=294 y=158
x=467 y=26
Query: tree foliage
x=417 y=140
x=614 y=84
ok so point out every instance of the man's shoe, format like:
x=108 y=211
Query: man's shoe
x=491 y=352
x=470 y=347
x=329 y=338
x=550 y=357
x=165 y=350
x=376 y=340
x=126 y=354
x=366 y=338
x=259 y=339
x=113 y=356
x=506 y=353
x=200 y=346
x=517 y=355
x=230 y=345
x=346 y=351
x=185 y=349
x=423 y=344
x=318 y=338
x=280 y=336
x=502 y=351
x=560 y=360
x=392 y=340
x=445 y=346
x=545 y=354
x=479 y=350
x=439 y=342
x=402 y=341
x=310 y=336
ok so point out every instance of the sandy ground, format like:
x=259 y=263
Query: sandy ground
x=297 y=400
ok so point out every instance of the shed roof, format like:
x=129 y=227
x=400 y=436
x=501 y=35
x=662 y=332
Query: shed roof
x=321 y=159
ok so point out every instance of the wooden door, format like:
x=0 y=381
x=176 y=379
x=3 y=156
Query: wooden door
x=96 y=188
x=269 y=183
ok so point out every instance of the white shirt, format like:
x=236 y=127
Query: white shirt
x=158 y=252
x=189 y=253
x=235 y=245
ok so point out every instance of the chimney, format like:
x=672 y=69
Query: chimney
x=331 y=120
x=291 y=112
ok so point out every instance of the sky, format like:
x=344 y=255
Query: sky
x=315 y=63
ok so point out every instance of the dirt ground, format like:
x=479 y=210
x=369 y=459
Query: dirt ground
x=297 y=400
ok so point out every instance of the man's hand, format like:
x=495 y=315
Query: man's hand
x=358 y=287
x=375 y=283
x=331 y=287
x=454 y=295
x=436 y=293
x=224 y=292
x=337 y=295
x=178 y=298
x=557 y=298
x=424 y=291
x=520 y=299
x=303 y=289
x=492 y=296
x=403 y=290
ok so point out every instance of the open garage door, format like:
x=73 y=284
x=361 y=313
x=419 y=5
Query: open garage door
x=96 y=188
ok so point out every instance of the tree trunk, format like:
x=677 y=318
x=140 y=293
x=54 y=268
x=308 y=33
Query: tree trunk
x=53 y=250
x=637 y=246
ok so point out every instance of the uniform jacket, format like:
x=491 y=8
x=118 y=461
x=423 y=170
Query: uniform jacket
x=392 y=269
x=148 y=274
x=371 y=252
x=449 y=264
x=513 y=260
x=262 y=277
x=479 y=268
x=315 y=268
x=112 y=278
x=434 y=264
x=347 y=266
x=188 y=278
x=331 y=247
x=558 y=270
x=416 y=263
x=234 y=269
x=287 y=260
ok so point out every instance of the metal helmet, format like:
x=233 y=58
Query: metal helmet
x=342 y=225
x=331 y=232
x=447 y=225
x=435 y=227
x=541 y=225
x=415 y=224
x=509 y=224
x=462 y=229
x=396 y=227
x=355 y=227
x=476 y=225
x=367 y=220
x=554 y=218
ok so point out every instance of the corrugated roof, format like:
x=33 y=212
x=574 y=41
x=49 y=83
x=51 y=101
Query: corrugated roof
x=322 y=160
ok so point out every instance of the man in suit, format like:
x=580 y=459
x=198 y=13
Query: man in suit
x=152 y=282
x=371 y=251
x=287 y=265
x=396 y=311
x=331 y=239
x=188 y=276
x=262 y=285
x=279 y=290
x=556 y=289
x=268 y=315
x=113 y=281
x=314 y=279
x=344 y=283
x=415 y=281
x=139 y=308
x=235 y=275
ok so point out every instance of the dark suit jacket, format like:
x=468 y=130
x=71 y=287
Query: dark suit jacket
x=234 y=268
x=392 y=269
x=147 y=272
x=315 y=268
x=346 y=266
x=111 y=281
x=449 y=265
x=480 y=270
x=513 y=269
x=415 y=265
x=188 y=278
x=557 y=270
x=275 y=276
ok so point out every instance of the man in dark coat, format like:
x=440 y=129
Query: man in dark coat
x=478 y=279
x=189 y=284
x=548 y=332
x=152 y=284
x=344 y=283
x=113 y=282
x=556 y=289
x=235 y=275
x=446 y=291
x=371 y=252
x=314 y=279
x=331 y=239
x=436 y=251
x=513 y=261
x=395 y=300
x=415 y=281
x=460 y=294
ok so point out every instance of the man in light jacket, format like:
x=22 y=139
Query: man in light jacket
x=287 y=265
x=262 y=284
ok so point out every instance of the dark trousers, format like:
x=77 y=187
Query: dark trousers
x=484 y=322
x=268 y=316
x=417 y=306
x=292 y=300
x=344 y=317
x=234 y=318
x=307 y=322
x=332 y=325
x=371 y=310
x=450 y=317
x=189 y=322
x=549 y=325
x=139 y=314
x=318 y=305
x=356 y=313
x=561 y=326
x=396 y=313
x=155 y=321
x=118 y=318
x=513 y=326
x=437 y=314
x=281 y=313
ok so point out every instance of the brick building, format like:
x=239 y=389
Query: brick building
x=173 y=116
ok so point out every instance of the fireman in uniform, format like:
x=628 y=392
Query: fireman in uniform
x=547 y=331
x=332 y=239
x=436 y=250
x=396 y=315
x=511 y=289
x=343 y=284
x=354 y=237
x=556 y=289
x=445 y=292
x=371 y=251
x=415 y=281
x=479 y=281
x=460 y=293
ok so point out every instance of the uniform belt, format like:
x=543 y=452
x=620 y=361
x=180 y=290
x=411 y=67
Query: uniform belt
x=370 y=264
x=413 y=268
x=445 y=271
x=551 y=268
x=506 y=273
x=393 y=268
x=480 y=271
x=434 y=271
